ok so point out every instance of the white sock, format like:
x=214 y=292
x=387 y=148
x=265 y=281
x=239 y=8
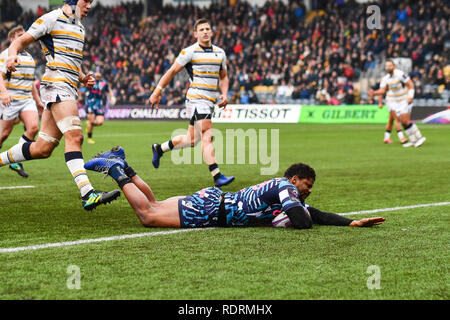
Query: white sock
x=167 y=146
x=387 y=135
x=416 y=132
x=76 y=168
x=411 y=134
x=13 y=155
x=400 y=135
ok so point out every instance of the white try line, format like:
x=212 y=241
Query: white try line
x=16 y=187
x=150 y=234
x=437 y=204
x=84 y=241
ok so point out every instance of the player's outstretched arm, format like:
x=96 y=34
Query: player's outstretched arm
x=328 y=218
x=37 y=98
x=17 y=46
x=367 y=222
x=379 y=92
x=163 y=82
x=300 y=218
x=410 y=85
x=6 y=97
x=333 y=219
x=380 y=101
x=223 y=85
x=86 y=79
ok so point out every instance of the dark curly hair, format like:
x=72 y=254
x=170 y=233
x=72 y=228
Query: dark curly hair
x=301 y=170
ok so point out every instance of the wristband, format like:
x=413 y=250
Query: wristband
x=160 y=88
x=411 y=93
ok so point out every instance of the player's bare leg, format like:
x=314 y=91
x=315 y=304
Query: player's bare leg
x=31 y=121
x=7 y=126
x=150 y=212
x=48 y=138
x=145 y=189
x=93 y=121
x=165 y=214
x=202 y=130
x=387 y=133
x=42 y=148
x=398 y=128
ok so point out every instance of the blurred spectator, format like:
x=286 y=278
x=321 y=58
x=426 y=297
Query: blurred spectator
x=273 y=45
x=10 y=10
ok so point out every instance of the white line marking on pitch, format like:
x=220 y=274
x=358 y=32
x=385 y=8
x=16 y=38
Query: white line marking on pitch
x=396 y=208
x=16 y=187
x=77 y=242
x=150 y=234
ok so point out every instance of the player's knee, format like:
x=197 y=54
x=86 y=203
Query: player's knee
x=147 y=220
x=33 y=130
x=4 y=135
x=74 y=137
x=44 y=150
x=194 y=142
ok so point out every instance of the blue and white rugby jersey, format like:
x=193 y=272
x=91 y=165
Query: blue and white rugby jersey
x=261 y=202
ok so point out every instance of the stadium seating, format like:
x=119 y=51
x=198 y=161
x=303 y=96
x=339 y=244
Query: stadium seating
x=271 y=44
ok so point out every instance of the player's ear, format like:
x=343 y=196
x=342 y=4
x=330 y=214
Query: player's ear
x=293 y=179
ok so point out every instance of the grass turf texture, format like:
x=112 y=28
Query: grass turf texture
x=355 y=171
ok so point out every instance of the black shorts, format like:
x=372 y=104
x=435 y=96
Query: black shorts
x=199 y=116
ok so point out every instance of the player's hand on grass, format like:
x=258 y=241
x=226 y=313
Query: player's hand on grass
x=223 y=101
x=154 y=101
x=380 y=105
x=88 y=80
x=367 y=222
x=11 y=62
x=6 y=99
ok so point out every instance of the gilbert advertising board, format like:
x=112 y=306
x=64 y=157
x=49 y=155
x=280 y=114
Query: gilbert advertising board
x=344 y=114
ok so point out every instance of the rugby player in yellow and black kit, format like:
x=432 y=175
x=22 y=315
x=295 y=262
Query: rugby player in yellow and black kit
x=61 y=36
x=207 y=69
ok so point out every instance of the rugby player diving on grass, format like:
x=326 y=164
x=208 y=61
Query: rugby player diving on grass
x=211 y=207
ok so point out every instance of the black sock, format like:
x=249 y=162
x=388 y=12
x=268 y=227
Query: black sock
x=214 y=170
x=89 y=134
x=118 y=174
x=129 y=171
x=408 y=126
x=24 y=137
x=86 y=196
x=26 y=150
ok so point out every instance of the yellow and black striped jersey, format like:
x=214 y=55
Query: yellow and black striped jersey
x=203 y=65
x=62 y=40
x=19 y=83
x=396 y=91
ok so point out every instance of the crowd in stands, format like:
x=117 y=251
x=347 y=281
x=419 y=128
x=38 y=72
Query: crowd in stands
x=279 y=48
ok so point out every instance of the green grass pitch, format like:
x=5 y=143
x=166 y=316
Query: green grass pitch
x=355 y=171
